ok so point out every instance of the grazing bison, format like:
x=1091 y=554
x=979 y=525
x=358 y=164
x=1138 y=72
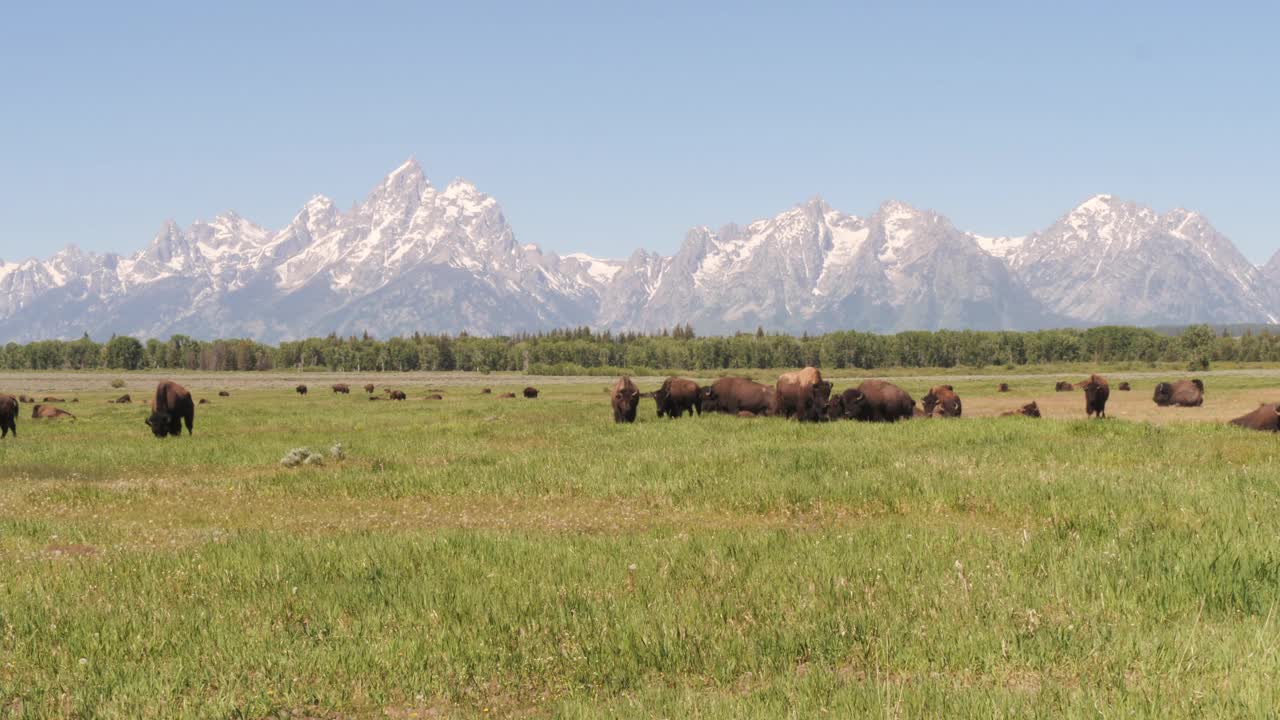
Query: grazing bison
x=942 y=401
x=1063 y=386
x=341 y=388
x=1183 y=393
x=1096 y=392
x=396 y=395
x=122 y=400
x=731 y=395
x=40 y=412
x=50 y=399
x=1124 y=386
x=172 y=407
x=1028 y=410
x=677 y=396
x=485 y=391
x=802 y=395
x=204 y=401
x=625 y=398
x=531 y=392
x=368 y=388
x=301 y=389
x=223 y=393
x=8 y=416
x=872 y=401
x=507 y=396
x=1004 y=387
x=1265 y=418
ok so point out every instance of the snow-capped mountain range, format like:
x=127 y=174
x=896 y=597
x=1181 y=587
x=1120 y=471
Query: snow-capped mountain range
x=414 y=257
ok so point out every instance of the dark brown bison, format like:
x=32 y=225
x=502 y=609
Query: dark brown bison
x=531 y=392
x=8 y=416
x=1064 y=386
x=625 y=398
x=1183 y=393
x=368 y=388
x=506 y=396
x=341 y=388
x=942 y=401
x=25 y=399
x=677 y=396
x=40 y=412
x=1124 y=386
x=1029 y=410
x=1004 y=387
x=802 y=394
x=204 y=401
x=122 y=400
x=1265 y=418
x=223 y=393
x=301 y=389
x=1096 y=392
x=170 y=409
x=485 y=391
x=872 y=401
x=50 y=399
x=731 y=395
x=374 y=397
x=396 y=395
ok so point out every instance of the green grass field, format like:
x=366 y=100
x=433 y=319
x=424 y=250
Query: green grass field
x=485 y=557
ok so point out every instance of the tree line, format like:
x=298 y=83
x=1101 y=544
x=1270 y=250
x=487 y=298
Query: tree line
x=583 y=350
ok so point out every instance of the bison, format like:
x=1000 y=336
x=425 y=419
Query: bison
x=1003 y=387
x=432 y=396
x=1265 y=418
x=1096 y=392
x=942 y=401
x=802 y=395
x=872 y=401
x=368 y=388
x=8 y=416
x=1029 y=410
x=25 y=399
x=507 y=396
x=396 y=395
x=170 y=409
x=531 y=392
x=301 y=389
x=1183 y=393
x=1063 y=386
x=42 y=411
x=730 y=395
x=341 y=388
x=677 y=396
x=625 y=398
x=485 y=391
x=204 y=401
x=122 y=400
x=1124 y=386
x=50 y=398
x=223 y=393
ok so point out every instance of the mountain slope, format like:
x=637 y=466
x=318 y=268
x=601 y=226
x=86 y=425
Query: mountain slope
x=414 y=257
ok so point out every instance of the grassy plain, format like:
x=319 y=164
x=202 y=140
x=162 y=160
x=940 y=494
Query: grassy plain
x=476 y=556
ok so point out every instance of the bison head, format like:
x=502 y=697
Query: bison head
x=850 y=404
x=161 y=424
x=709 y=399
x=1199 y=385
x=1163 y=394
x=626 y=400
x=660 y=397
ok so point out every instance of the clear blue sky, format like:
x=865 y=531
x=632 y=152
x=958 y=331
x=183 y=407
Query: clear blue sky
x=607 y=126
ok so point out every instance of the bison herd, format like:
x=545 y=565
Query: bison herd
x=806 y=397
x=802 y=395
